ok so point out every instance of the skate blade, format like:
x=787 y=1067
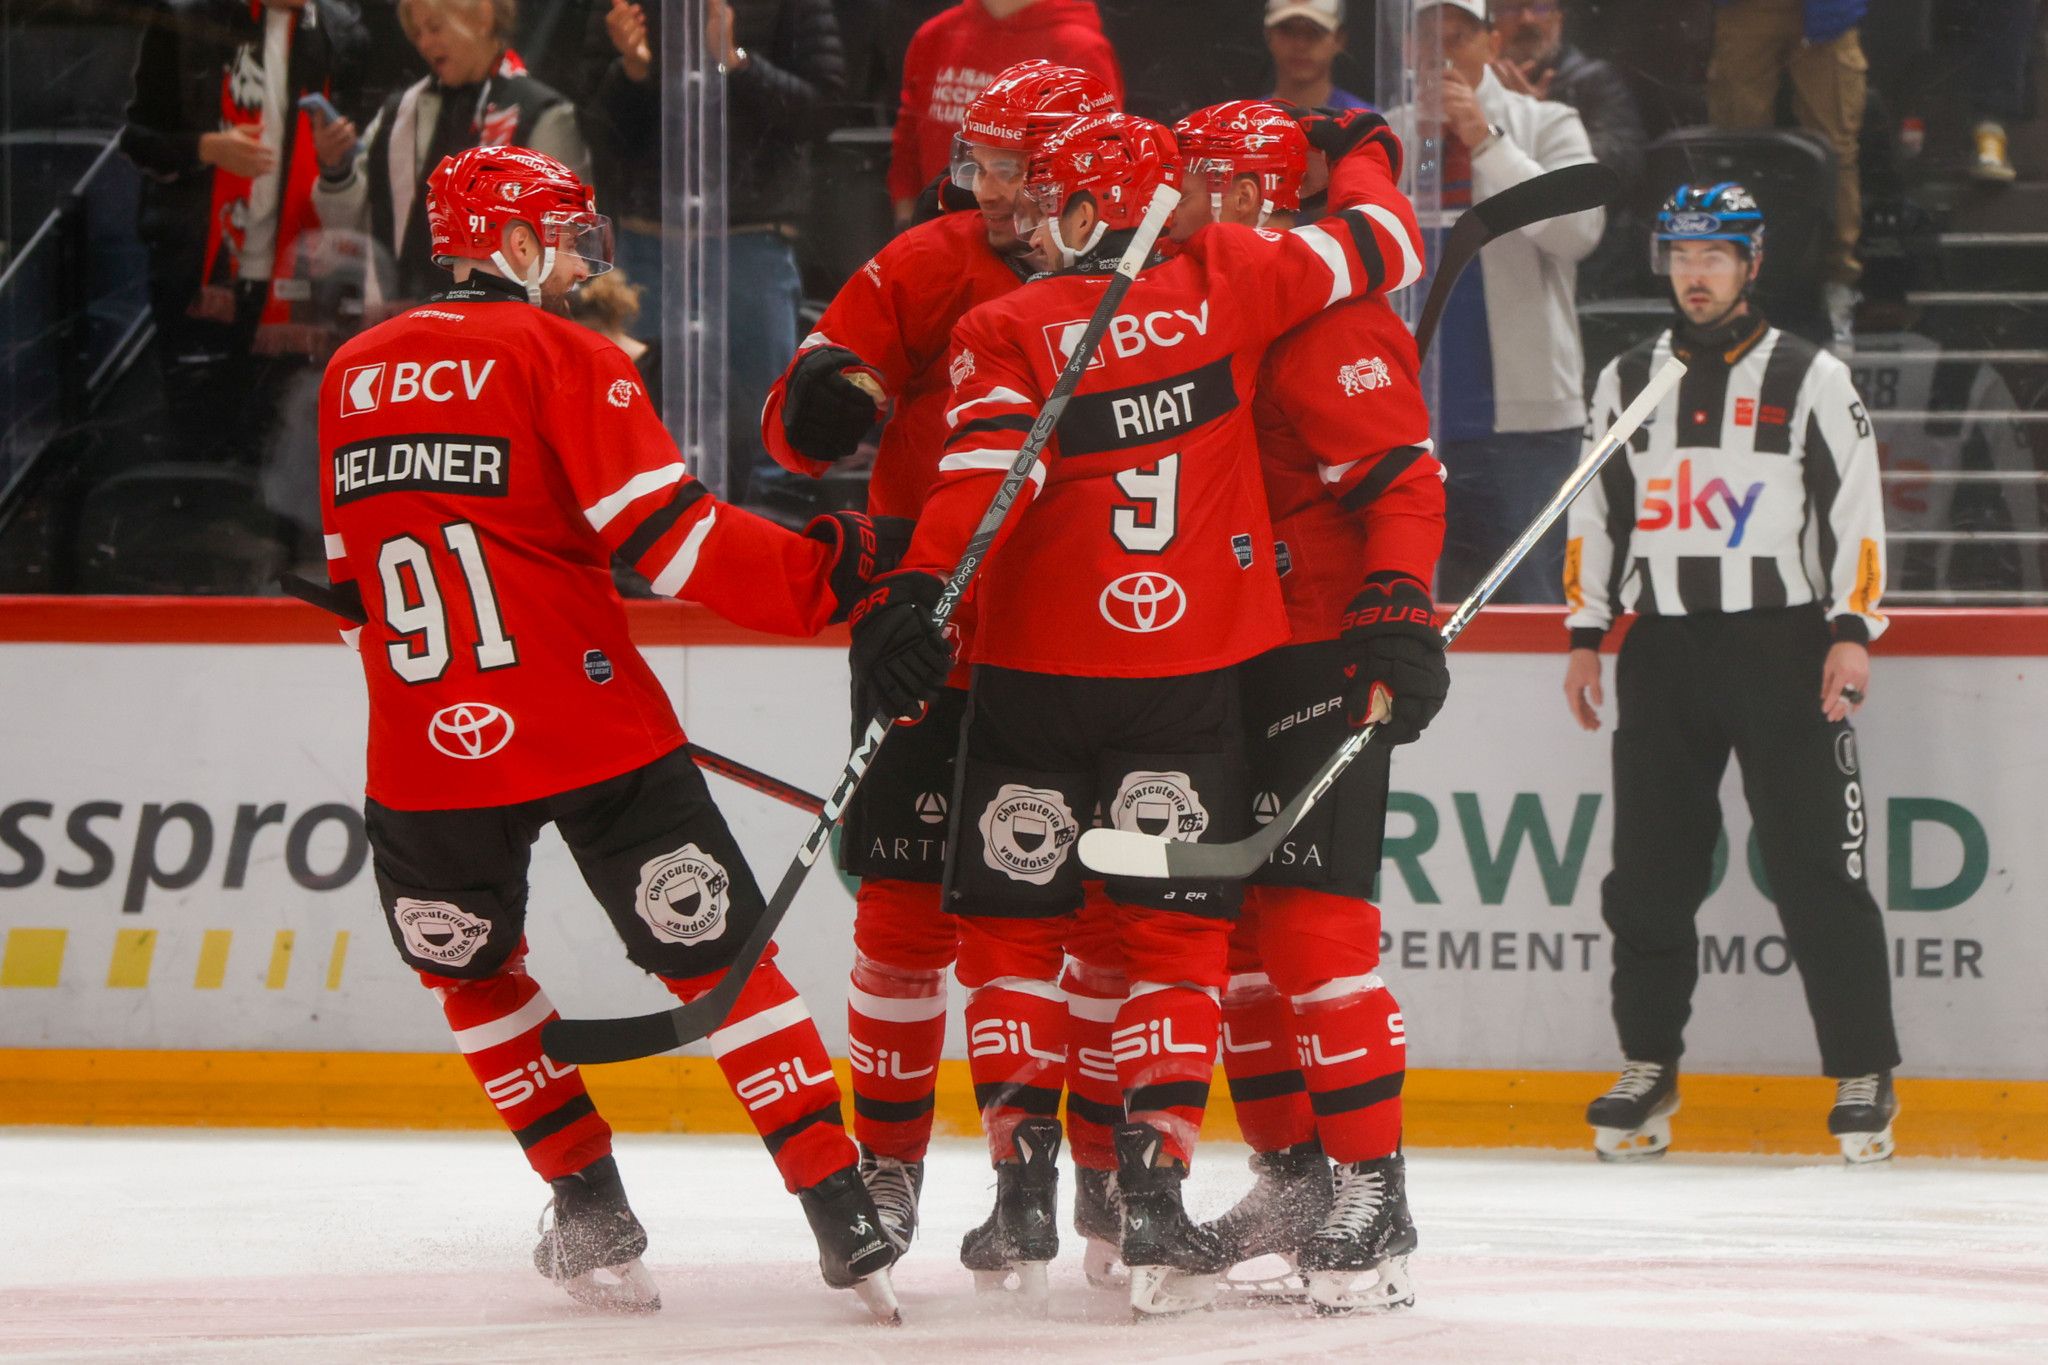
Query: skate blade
x=1867 y=1149
x=1024 y=1282
x=626 y=1288
x=1272 y=1278
x=1651 y=1140
x=878 y=1292
x=1335 y=1293
x=1104 y=1266
x=1159 y=1291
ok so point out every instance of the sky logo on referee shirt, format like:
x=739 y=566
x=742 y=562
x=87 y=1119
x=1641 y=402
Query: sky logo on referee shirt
x=1679 y=507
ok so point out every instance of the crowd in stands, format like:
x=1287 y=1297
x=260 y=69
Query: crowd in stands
x=283 y=145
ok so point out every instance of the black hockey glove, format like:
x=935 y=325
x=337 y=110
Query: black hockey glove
x=863 y=549
x=940 y=198
x=1391 y=633
x=1337 y=133
x=899 y=658
x=824 y=413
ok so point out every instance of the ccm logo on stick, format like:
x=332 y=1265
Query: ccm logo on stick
x=363 y=387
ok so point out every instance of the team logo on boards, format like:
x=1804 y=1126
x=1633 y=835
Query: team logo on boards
x=470 y=729
x=684 y=895
x=436 y=931
x=1363 y=375
x=1026 y=833
x=1142 y=603
x=931 y=808
x=621 y=393
x=1163 y=805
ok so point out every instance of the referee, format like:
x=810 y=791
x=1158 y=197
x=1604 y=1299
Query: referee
x=1744 y=526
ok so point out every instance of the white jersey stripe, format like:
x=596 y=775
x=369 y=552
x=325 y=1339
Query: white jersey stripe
x=602 y=512
x=1000 y=460
x=755 y=1027
x=505 y=1028
x=1411 y=259
x=1326 y=246
x=671 y=581
x=995 y=395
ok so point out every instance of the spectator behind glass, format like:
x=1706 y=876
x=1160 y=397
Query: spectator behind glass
x=1757 y=44
x=1305 y=37
x=476 y=93
x=955 y=56
x=1536 y=61
x=1510 y=403
x=228 y=165
x=2002 y=42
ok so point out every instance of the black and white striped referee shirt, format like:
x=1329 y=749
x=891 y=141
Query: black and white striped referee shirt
x=1755 y=486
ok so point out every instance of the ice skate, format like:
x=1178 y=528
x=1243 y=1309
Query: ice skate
x=894 y=1186
x=1098 y=1219
x=1175 y=1266
x=1287 y=1202
x=1010 y=1251
x=591 y=1244
x=1862 y=1117
x=1358 y=1258
x=853 y=1251
x=1632 y=1121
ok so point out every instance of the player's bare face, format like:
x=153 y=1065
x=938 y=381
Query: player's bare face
x=997 y=177
x=1193 y=214
x=1707 y=279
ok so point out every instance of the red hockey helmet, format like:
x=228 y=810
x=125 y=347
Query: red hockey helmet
x=1246 y=137
x=1023 y=106
x=474 y=195
x=1117 y=159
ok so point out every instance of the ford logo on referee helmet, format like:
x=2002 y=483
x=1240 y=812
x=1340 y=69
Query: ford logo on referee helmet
x=1692 y=224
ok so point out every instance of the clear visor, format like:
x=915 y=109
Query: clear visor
x=586 y=236
x=1036 y=204
x=1699 y=256
x=971 y=161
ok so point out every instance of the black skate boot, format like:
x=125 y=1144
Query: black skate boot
x=1022 y=1234
x=894 y=1186
x=1862 y=1117
x=1175 y=1266
x=1632 y=1121
x=853 y=1251
x=1368 y=1231
x=591 y=1244
x=1099 y=1219
x=1285 y=1205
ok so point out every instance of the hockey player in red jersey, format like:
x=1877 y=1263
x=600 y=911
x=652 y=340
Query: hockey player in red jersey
x=1314 y=1047
x=1149 y=521
x=890 y=326
x=484 y=460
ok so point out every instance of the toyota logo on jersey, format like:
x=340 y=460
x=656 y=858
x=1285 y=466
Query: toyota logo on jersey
x=470 y=730
x=1142 y=603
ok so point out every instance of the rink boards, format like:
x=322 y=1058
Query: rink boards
x=186 y=908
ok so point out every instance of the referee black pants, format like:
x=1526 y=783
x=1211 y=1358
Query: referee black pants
x=1689 y=689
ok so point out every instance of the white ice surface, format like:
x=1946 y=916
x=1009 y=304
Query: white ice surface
x=185 y=1246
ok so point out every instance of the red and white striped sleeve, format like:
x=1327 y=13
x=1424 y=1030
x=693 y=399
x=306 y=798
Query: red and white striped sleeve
x=995 y=402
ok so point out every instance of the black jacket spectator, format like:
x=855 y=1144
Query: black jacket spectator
x=775 y=108
x=1613 y=123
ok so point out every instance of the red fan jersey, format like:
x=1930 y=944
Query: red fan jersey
x=897 y=314
x=482 y=461
x=1147 y=551
x=1344 y=442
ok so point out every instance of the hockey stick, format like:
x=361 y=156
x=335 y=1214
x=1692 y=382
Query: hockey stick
x=348 y=605
x=1554 y=194
x=585 y=1041
x=1127 y=853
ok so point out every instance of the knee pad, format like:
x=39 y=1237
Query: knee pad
x=905 y=925
x=1011 y=853
x=1180 y=796
x=1028 y=949
x=1170 y=946
x=1308 y=938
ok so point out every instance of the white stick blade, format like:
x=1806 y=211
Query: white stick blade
x=1123 y=853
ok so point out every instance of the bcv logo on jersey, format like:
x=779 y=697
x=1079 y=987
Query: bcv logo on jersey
x=1684 y=506
x=1129 y=333
x=363 y=387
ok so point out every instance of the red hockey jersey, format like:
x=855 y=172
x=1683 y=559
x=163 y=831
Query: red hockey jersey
x=897 y=314
x=1147 y=551
x=1351 y=483
x=482 y=460
x=956 y=54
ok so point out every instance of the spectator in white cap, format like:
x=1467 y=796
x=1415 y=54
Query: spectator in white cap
x=1305 y=37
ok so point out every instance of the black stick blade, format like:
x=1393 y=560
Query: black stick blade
x=1569 y=189
x=588 y=1042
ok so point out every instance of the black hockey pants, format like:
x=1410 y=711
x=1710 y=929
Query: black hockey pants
x=1688 y=690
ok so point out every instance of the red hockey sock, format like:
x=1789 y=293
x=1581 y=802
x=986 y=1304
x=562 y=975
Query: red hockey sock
x=1095 y=1097
x=1355 y=1054
x=895 y=1029
x=772 y=1057
x=1266 y=1084
x=1017 y=1054
x=1165 y=1042
x=497 y=1023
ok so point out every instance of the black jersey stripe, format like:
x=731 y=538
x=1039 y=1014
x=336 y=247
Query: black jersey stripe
x=1766 y=583
x=1392 y=465
x=1367 y=243
x=1633 y=370
x=1035 y=1100
x=1646 y=594
x=1778 y=394
x=1618 y=482
x=659 y=522
x=1250 y=1089
x=982 y=426
x=554 y=1121
x=1699 y=583
x=1823 y=481
x=1702 y=404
